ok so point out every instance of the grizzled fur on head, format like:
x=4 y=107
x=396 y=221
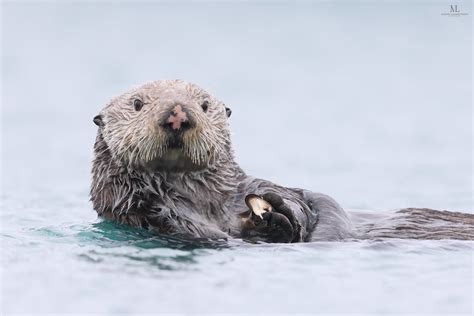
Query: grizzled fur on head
x=136 y=139
x=132 y=181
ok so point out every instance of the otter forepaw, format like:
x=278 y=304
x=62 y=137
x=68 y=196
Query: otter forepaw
x=276 y=223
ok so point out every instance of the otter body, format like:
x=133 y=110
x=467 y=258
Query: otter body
x=164 y=161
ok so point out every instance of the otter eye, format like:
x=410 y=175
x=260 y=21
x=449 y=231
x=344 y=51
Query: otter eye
x=138 y=104
x=204 y=106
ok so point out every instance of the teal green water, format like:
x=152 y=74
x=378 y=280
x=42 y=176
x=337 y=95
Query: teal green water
x=89 y=266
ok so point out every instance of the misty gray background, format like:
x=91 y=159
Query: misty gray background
x=369 y=102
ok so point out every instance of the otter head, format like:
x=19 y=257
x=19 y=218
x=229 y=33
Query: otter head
x=168 y=125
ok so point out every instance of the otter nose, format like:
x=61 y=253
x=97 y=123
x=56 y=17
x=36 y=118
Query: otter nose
x=177 y=119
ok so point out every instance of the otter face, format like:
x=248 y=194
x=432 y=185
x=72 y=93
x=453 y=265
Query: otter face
x=166 y=125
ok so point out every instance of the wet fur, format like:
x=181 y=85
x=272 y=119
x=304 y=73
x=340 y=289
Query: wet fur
x=205 y=198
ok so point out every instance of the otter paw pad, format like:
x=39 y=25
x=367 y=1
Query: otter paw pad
x=268 y=219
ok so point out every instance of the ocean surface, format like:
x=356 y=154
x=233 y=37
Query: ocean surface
x=369 y=102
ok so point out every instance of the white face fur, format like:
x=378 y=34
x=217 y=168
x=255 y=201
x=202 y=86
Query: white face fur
x=133 y=126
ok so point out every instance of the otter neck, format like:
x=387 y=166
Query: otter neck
x=119 y=189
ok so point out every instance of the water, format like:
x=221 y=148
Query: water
x=370 y=103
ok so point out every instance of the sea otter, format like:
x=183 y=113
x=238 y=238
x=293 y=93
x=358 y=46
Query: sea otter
x=164 y=161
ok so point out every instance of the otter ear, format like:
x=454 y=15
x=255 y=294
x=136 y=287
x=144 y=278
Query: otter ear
x=228 y=111
x=98 y=120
